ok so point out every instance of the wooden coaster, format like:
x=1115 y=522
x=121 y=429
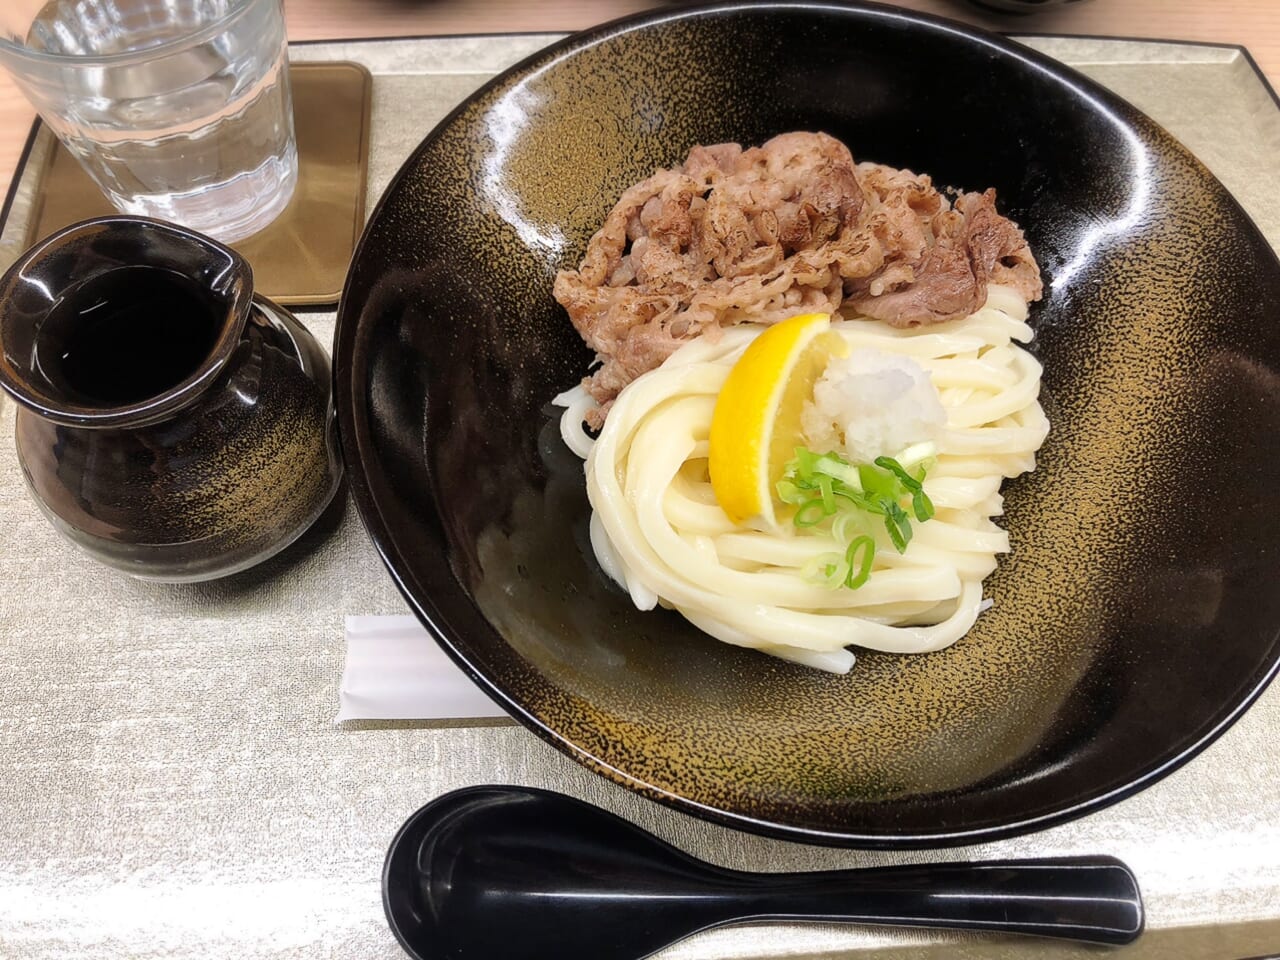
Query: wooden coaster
x=302 y=257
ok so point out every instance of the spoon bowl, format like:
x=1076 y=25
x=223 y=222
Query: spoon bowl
x=526 y=874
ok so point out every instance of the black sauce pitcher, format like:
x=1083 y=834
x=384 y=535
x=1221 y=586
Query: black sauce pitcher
x=171 y=423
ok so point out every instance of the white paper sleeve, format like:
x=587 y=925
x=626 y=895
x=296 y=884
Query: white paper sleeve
x=394 y=670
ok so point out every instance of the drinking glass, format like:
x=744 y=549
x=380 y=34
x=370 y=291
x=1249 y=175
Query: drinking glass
x=178 y=109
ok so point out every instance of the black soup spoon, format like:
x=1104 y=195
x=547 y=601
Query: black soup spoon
x=521 y=874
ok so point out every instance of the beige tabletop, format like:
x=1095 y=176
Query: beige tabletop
x=172 y=779
x=1254 y=23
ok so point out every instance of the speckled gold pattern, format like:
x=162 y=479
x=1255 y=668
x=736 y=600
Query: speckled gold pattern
x=1059 y=696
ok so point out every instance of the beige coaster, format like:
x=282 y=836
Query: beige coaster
x=302 y=257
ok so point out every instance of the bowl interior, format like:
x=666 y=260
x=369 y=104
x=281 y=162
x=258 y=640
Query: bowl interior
x=1136 y=616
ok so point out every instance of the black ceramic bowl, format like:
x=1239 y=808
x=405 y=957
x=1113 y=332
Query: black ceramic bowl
x=1137 y=615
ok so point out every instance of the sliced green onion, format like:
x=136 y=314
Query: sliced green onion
x=898 y=524
x=847 y=525
x=867 y=546
x=831 y=465
x=920 y=501
x=826 y=489
x=917 y=454
x=922 y=506
x=788 y=492
x=826 y=486
x=894 y=467
x=811 y=513
x=876 y=482
x=825 y=568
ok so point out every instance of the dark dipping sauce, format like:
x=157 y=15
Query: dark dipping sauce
x=128 y=335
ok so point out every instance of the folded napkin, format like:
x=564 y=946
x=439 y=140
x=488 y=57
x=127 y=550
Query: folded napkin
x=395 y=671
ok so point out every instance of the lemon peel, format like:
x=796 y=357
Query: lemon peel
x=756 y=424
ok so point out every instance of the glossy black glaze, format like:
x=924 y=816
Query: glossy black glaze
x=1136 y=617
x=524 y=874
x=216 y=472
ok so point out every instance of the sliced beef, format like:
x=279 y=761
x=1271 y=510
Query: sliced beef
x=758 y=235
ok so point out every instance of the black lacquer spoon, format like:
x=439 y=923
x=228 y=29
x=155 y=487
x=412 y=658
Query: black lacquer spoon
x=513 y=873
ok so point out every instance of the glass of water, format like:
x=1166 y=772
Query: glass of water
x=178 y=109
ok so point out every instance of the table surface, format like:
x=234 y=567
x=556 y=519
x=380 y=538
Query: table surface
x=1254 y=23
x=170 y=790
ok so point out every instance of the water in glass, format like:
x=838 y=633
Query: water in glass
x=179 y=109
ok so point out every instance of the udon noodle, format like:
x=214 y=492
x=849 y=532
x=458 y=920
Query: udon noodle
x=657 y=530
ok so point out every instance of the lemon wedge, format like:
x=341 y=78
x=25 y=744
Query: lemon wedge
x=756 y=423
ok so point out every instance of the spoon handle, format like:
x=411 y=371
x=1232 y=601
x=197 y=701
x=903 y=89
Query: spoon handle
x=1095 y=899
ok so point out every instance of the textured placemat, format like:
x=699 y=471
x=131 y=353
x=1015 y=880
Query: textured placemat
x=174 y=784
